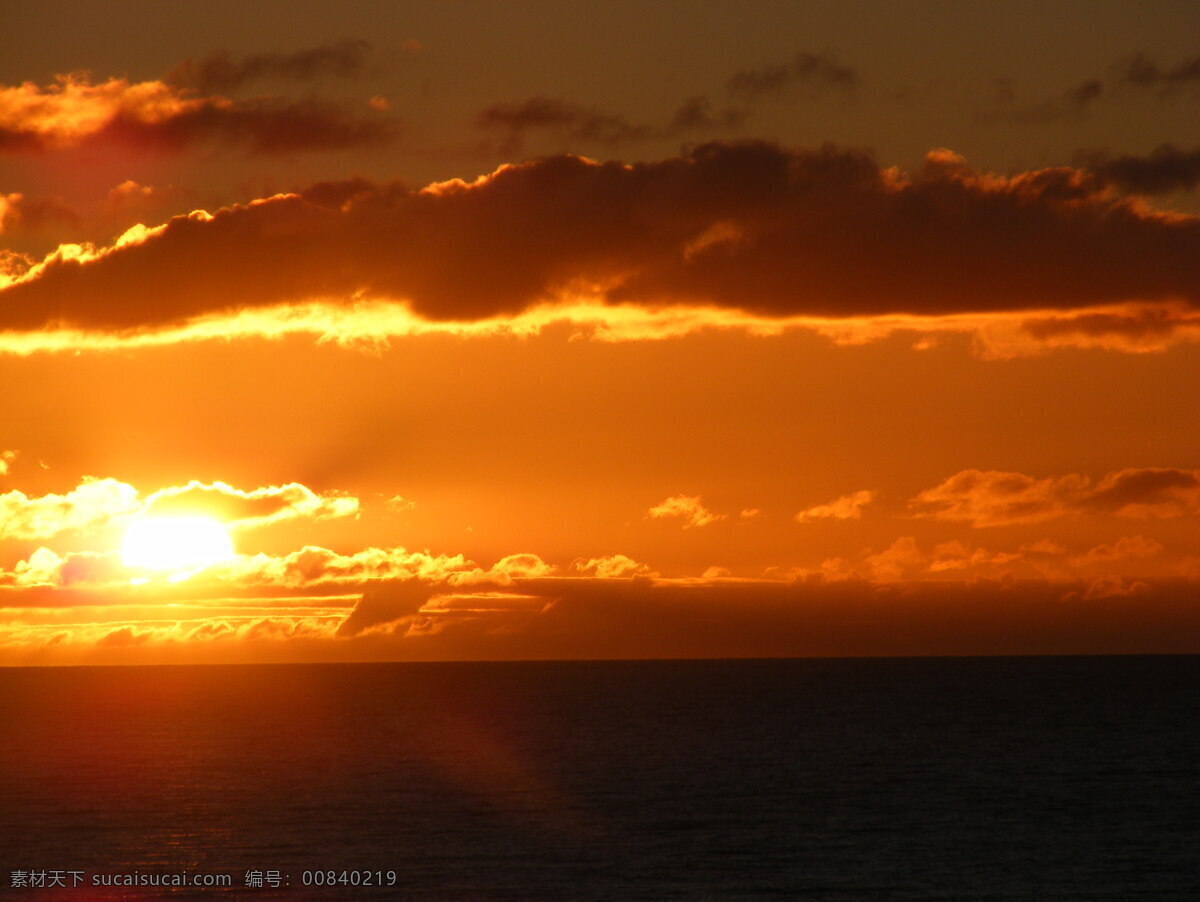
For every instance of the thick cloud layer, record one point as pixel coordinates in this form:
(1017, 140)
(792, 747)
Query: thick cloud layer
(747, 226)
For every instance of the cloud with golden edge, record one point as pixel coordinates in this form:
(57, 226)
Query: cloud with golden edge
(907, 599)
(240, 509)
(731, 235)
(92, 505)
(613, 566)
(308, 569)
(96, 504)
(686, 508)
(76, 111)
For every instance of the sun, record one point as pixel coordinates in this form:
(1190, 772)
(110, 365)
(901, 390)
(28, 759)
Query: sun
(175, 544)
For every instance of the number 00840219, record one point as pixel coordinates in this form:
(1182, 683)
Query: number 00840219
(348, 878)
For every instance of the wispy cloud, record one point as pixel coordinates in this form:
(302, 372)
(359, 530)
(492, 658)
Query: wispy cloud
(847, 507)
(811, 72)
(1137, 73)
(992, 498)
(221, 72)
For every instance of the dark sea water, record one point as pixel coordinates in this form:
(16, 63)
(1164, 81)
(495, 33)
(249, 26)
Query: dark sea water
(985, 778)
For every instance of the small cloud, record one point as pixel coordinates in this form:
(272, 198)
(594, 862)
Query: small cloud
(1139, 71)
(992, 498)
(399, 503)
(698, 114)
(1108, 587)
(847, 507)
(522, 566)
(615, 566)
(548, 114)
(1122, 549)
(902, 558)
(124, 636)
(6, 459)
(686, 508)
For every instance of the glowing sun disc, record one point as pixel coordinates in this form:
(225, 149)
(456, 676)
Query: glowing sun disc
(175, 543)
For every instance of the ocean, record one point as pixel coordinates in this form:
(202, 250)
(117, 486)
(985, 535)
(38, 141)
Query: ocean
(1058, 778)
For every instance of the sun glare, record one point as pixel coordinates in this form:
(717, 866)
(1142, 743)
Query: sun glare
(175, 544)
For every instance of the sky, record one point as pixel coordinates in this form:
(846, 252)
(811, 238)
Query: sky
(444, 331)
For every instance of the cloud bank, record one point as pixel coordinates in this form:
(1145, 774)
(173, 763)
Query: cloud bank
(748, 227)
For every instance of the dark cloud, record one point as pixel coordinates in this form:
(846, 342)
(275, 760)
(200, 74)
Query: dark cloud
(575, 122)
(569, 120)
(1137, 72)
(1070, 104)
(1083, 94)
(811, 71)
(749, 226)
(698, 114)
(1146, 492)
(261, 125)
(1166, 168)
(220, 72)
(578, 122)
(386, 603)
(1140, 71)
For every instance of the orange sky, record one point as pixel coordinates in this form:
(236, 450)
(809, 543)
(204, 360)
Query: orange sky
(799, 334)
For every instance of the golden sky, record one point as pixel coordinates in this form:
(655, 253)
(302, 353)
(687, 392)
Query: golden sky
(442, 331)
